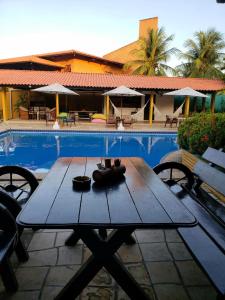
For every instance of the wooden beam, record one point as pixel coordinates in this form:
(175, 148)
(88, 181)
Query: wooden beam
(203, 104)
(212, 103)
(195, 104)
(4, 104)
(151, 105)
(107, 106)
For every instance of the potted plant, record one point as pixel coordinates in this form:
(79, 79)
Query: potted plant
(21, 106)
(22, 101)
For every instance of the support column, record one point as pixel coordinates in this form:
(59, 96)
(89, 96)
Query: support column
(151, 103)
(187, 106)
(142, 105)
(195, 104)
(212, 104)
(107, 106)
(57, 104)
(203, 104)
(4, 104)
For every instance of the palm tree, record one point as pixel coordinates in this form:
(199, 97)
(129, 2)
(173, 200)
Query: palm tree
(152, 54)
(203, 57)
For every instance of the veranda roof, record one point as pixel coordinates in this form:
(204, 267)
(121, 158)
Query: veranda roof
(186, 92)
(105, 81)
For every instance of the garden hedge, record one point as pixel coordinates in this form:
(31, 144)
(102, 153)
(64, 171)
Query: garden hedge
(202, 130)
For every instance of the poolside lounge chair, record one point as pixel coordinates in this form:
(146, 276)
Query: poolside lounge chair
(127, 120)
(51, 115)
(69, 119)
(111, 120)
(170, 120)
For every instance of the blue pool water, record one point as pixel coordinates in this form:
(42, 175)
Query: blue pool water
(38, 151)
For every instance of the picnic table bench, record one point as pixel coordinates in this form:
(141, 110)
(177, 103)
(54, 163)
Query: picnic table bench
(9, 241)
(16, 186)
(206, 241)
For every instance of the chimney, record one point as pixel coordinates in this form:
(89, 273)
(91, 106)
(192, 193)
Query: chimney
(147, 24)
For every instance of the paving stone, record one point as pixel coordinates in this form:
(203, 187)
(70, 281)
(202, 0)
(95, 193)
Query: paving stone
(31, 278)
(23, 295)
(130, 253)
(139, 272)
(191, 273)
(172, 236)
(95, 293)
(62, 237)
(42, 240)
(60, 275)
(148, 236)
(42, 258)
(179, 251)
(155, 252)
(49, 292)
(202, 293)
(70, 255)
(148, 290)
(163, 272)
(102, 278)
(170, 292)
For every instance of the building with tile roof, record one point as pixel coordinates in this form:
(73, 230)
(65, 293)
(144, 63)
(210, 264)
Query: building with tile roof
(91, 76)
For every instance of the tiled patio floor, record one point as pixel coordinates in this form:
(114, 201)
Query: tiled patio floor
(159, 261)
(31, 124)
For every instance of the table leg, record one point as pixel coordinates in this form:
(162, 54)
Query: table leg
(80, 280)
(75, 237)
(103, 256)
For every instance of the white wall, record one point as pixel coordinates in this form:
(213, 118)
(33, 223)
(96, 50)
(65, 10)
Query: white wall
(165, 106)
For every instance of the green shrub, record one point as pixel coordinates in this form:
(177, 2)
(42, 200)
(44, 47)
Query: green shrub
(203, 130)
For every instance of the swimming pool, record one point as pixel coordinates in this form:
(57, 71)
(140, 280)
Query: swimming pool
(38, 150)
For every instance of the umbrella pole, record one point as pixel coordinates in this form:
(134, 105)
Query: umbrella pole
(121, 99)
(187, 106)
(57, 104)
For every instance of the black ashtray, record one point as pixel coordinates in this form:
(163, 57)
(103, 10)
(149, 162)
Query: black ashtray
(81, 183)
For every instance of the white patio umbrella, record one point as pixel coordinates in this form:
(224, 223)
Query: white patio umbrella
(122, 91)
(56, 89)
(187, 92)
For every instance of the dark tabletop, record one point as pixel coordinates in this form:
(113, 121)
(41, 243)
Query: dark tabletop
(142, 200)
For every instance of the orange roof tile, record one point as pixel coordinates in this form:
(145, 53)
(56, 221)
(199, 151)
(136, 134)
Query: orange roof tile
(97, 80)
(31, 58)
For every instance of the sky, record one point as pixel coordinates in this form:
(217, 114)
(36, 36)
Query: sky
(98, 26)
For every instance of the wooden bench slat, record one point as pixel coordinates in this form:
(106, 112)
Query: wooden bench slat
(211, 226)
(211, 176)
(215, 156)
(206, 241)
(207, 254)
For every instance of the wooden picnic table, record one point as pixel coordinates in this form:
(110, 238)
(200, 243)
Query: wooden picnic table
(141, 200)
